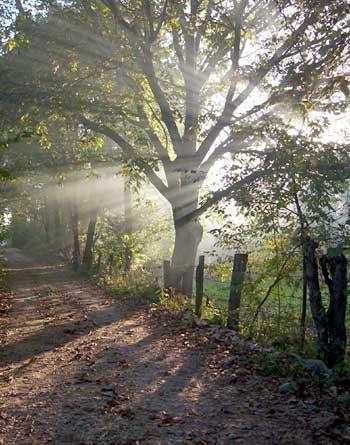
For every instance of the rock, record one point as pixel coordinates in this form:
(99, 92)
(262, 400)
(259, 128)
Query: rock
(287, 388)
(318, 368)
(227, 362)
(333, 391)
(199, 323)
(215, 336)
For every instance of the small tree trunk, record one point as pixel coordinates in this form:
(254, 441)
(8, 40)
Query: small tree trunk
(55, 209)
(75, 231)
(302, 223)
(46, 219)
(110, 264)
(128, 225)
(47, 225)
(88, 251)
(237, 279)
(56, 221)
(317, 309)
(335, 274)
(303, 308)
(199, 286)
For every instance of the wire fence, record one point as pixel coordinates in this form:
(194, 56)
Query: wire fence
(265, 306)
(271, 306)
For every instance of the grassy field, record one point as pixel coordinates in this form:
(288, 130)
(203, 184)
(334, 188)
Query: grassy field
(278, 321)
(285, 296)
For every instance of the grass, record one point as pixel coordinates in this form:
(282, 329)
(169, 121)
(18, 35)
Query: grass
(218, 293)
(278, 322)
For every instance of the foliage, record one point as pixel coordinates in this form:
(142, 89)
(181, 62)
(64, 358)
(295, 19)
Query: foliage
(137, 285)
(174, 84)
(273, 364)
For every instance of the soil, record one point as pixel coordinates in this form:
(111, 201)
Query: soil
(79, 367)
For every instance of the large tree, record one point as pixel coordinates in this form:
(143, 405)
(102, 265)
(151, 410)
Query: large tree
(177, 84)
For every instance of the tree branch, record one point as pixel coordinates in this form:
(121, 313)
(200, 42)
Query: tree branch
(222, 194)
(167, 115)
(144, 123)
(129, 151)
(19, 6)
(230, 106)
(162, 20)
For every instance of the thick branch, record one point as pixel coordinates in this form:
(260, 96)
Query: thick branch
(280, 54)
(167, 115)
(234, 146)
(129, 151)
(161, 20)
(145, 124)
(222, 194)
(19, 6)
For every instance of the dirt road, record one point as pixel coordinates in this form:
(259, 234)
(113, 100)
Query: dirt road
(78, 368)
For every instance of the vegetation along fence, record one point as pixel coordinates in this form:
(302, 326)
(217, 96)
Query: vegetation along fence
(262, 308)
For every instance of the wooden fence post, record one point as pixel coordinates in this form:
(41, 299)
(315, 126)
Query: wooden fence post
(199, 286)
(166, 273)
(237, 279)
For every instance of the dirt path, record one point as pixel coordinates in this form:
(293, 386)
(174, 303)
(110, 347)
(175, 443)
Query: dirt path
(77, 368)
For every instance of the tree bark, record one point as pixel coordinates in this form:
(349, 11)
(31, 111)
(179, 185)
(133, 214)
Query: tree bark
(335, 274)
(199, 286)
(56, 218)
(88, 251)
(303, 307)
(187, 239)
(188, 235)
(302, 223)
(128, 226)
(46, 220)
(317, 309)
(75, 232)
(330, 326)
(237, 279)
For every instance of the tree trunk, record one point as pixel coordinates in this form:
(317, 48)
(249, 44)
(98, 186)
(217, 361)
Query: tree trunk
(187, 239)
(335, 274)
(56, 220)
(46, 221)
(317, 309)
(128, 226)
(199, 286)
(75, 231)
(303, 308)
(237, 279)
(110, 264)
(302, 223)
(188, 236)
(330, 326)
(88, 251)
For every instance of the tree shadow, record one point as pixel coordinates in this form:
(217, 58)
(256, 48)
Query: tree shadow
(54, 336)
(56, 306)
